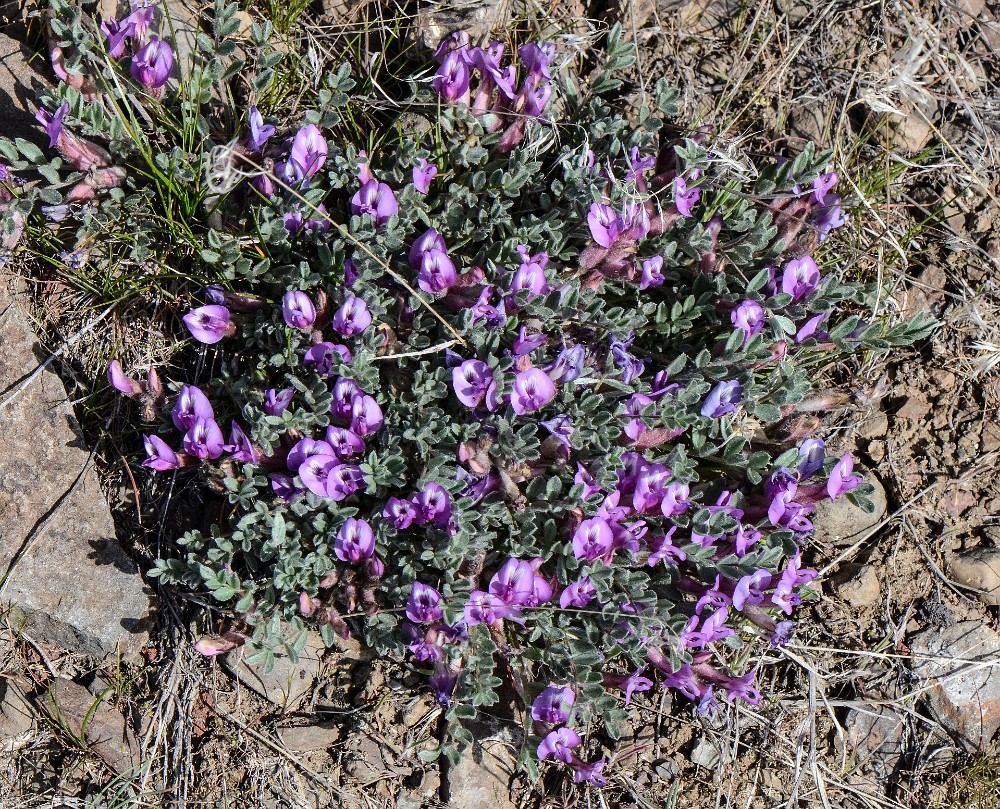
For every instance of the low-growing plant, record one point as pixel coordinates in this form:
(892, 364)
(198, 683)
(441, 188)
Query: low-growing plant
(527, 396)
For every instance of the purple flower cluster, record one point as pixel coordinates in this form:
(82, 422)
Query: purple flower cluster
(554, 706)
(152, 59)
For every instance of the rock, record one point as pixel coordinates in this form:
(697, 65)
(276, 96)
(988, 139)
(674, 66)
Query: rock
(964, 697)
(16, 715)
(912, 132)
(708, 754)
(61, 566)
(935, 613)
(858, 585)
(21, 83)
(875, 735)
(287, 683)
(874, 426)
(482, 777)
(93, 723)
(843, 523)
(978, 568)
(307, 738)
(436, 20)
(913, 409)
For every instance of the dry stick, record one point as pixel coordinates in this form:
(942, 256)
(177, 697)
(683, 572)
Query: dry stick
(847, 553)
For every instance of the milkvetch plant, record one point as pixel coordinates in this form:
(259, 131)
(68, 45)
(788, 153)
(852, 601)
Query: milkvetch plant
(526, 396)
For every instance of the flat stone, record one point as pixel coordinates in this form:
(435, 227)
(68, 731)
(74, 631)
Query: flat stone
(308, 738)
(61, 567)
(843, 523)
(287, 684)
(17, 717)
(435, 21)
(858, 585)
(978, 568)
(875, 735)
(21, 82)
(962, 694)
(483, 775)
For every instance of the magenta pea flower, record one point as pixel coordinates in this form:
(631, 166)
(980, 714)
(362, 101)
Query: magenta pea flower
(554, 705)
(345, 443)
(685, 198)
(53, 122)
(315, 472)
(375, 199)
(276, 402)
(209, 324)
(117, 34)
(652, 273)
(484, 608)
(399, 513)
(559, 745)
(751, 589)
(345, 391)
(829, 217)
(191, 405)
(204, 440)
(530, 275)
(822, 184)
(749, 317)
(578, 594)
(355, 541)
(452, 79)
(799, 278)
(423, 173)
(240, 447)
(433, 505)
(532, 391)
(308, 155)
(812, 453)
(140, 20)
(592, 773)
(344, 480)
(159, 456)
(152, 64)
(841, 480)
(260, 132)
(366, 415)
(306, 448)
(326, 356)
(437, 271)
(427, 241)
(724, 398)
(298, 310)
(471, 380)
(122, 383)
(424, 604)
(513, 583)
(352, 318)
(536, 58)
(593, 539)
(585, 479)
(606, 225)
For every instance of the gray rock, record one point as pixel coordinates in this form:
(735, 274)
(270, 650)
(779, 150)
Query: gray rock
(307, 738)
(436, 19)
(978, 568)
(875, 736)
(483, 775)
(706, 754)
(857, 584)
(288, 683)
(958, 666)
(61, 566)
(21, 82)
(843, 523)
(16, 715)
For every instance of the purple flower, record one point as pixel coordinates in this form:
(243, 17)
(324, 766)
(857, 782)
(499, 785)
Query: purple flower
(375, 199)
(471, 380)
(530, 275)
(526, 343)
(750, 589)
(122, 383)
(724, 398)
(306, 448)
(782, 634)
(160, 457)
(152, 64)
(208, 324)
(423, 173)
(664, 550)
(345, 443)
(308, 155)
(822, 184)
(554, 705)
(585, 479)
(355, 541)
(513, 583)
(812, 453)
(592, 773)
(829, 217)
(399, 513)
(532, 391)
(315, 473)
(352, 318)
(190, 406)
(345, 391)
(561, 428)
(139, 21)
(592, 539)
(437, 271)
(568, 366)
(117, 34)
(559, 745)
(297, 310)
(424, 604)
(785, 512)
(204, 440)
(484, 608)
(326, 356)
(536, 57)
(276, 402)
(630, 365)
(606, 226)
(429, 240)
(344, 481)
(742, 688)
(240, 446)
(366, 415)
(53, 122)
(811, 327)
(452, 79)
(433, 505)
(748, 316)
(260, 132)
(799, 278)
(578, 594)
(652, 273)
(639, 165)
(284, 487)
(685, 198)
(675, 499)
(442, 683)
(841, 480)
